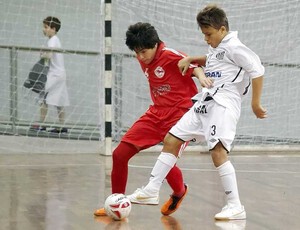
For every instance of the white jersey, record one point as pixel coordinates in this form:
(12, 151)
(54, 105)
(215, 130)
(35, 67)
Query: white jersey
(57, 66)
(56, 88)
(231, 65)
(215, 115)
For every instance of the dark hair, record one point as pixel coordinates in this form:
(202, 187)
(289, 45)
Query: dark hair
(212, 16)
(53, 22)
(141, 36)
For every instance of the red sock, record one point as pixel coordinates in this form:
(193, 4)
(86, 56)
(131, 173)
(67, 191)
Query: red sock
(121, 155)
(175, 181)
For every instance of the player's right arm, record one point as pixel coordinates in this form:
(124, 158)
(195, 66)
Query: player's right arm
(184, 63)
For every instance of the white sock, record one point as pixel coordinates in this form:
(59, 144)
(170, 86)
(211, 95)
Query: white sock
(165, 162)
(228, 179)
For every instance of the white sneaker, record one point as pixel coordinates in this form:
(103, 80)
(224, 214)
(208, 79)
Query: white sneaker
(231, 213)
(140, 196)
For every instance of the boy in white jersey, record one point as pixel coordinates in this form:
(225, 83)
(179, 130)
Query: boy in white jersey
(56, 93)
(231, 67)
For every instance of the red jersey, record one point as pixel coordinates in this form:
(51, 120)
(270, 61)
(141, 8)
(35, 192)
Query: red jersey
(168, 88)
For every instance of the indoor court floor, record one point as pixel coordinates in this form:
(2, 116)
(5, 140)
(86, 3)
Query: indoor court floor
(61, 192)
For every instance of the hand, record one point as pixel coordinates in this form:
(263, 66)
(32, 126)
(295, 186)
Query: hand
(183, 65)
(259, 111)
(207, 82)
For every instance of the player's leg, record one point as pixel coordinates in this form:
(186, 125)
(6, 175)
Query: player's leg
(165, 162)
(57, 96)
(221, 135)
(43, 114)
(61, 118)
(233, 209)
(119, 174)
(133, 141)
(61, 114)
(175, 177)
(43, 97)
(187, 128)
(175, 180)
(43, 111)
(168, 156)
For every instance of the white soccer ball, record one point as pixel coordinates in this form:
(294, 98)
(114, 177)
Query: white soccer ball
(117, 206)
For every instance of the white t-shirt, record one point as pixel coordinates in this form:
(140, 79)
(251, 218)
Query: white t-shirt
(56, 88)
(232, 65)
(57, 66)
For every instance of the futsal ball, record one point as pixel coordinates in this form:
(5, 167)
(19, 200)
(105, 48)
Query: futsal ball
(117, 206)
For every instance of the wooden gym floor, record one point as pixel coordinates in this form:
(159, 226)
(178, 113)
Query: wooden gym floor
(61, 191)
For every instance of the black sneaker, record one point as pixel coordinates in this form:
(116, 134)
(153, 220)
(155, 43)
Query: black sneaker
(59, 130)
(37, 128)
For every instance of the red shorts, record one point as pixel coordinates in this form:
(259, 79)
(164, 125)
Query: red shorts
(151, 128)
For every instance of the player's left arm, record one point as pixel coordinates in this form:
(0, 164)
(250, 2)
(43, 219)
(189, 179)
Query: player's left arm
(205, 82)
(250, 62)
(46, 55)
(52, 44)
(258, 110)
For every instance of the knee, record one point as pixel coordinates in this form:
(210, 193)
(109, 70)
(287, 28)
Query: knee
(219, 155)
(117, 155)
(123, 152)
(172, 144)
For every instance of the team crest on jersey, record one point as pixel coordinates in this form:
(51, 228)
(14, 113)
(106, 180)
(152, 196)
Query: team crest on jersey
(220, 55)
(159, 72)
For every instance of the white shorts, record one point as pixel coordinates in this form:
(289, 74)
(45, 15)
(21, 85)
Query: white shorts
(56, 90)
(207, 121)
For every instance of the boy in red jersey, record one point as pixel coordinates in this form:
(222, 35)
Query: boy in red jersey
(171, 93)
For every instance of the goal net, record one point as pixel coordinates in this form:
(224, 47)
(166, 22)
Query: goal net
(267, 27)
(21, 42)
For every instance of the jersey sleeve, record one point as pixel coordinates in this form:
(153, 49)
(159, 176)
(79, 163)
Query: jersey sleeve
(53, 43)
(248, 60)
(175, 56)
(190, 70)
